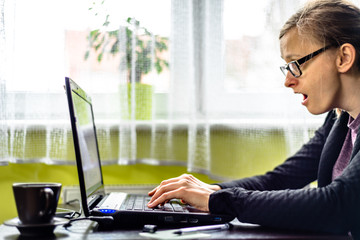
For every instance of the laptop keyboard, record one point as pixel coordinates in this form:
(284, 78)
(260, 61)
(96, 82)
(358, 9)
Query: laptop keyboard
(114, 200)
(139, 203)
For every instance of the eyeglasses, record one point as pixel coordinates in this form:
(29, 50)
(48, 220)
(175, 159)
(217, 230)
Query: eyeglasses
(294, 66)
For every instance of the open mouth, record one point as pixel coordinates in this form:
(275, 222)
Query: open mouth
(305, 98)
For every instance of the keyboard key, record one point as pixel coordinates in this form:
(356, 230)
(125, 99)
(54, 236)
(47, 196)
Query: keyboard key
(139, 204)
(168, 207)
(177, 207)
(113, 201)
(146, 208)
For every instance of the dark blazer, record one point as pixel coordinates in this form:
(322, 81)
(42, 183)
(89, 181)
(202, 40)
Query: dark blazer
(281, 199)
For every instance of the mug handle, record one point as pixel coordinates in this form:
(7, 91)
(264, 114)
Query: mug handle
(49, 194)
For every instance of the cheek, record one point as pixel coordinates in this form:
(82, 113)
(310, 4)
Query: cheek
(326, 84)
(326, 77)
(327, 92)
(325, 87)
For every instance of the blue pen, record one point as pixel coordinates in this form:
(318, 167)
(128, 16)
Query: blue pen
(216, 227)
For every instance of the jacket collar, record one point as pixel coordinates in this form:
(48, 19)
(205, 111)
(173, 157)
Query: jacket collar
(332, 149)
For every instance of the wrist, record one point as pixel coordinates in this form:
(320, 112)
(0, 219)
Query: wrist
(214, 187)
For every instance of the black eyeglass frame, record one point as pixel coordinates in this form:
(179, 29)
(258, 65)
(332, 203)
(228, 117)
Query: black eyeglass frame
(301, 61)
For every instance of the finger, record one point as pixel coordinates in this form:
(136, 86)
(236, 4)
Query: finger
(184, 180)
(160, 190)
(165, 197)
(163, 183)
(153, 191)
(171, 180)
(182, 183)
(185, 176)
(169, 187)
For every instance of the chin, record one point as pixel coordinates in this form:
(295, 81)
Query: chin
(317, 111)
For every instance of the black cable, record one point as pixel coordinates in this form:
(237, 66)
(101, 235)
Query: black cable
(72, 213)
(102, 222)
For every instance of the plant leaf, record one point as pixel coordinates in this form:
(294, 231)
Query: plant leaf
(87, 54)
(99, 57)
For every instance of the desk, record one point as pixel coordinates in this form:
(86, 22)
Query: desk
(85, 230)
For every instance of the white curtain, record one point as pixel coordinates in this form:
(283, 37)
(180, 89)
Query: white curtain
(3, 126)
(218, 102)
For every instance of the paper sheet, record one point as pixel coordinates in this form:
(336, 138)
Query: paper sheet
(168, 234)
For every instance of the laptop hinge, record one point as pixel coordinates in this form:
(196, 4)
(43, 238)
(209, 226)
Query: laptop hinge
(94, 201)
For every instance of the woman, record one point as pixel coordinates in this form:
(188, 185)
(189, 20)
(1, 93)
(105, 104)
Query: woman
(321, 46)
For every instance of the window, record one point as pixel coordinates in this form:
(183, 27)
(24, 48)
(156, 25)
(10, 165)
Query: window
(50, 42)
(233, 46)
(223, 83)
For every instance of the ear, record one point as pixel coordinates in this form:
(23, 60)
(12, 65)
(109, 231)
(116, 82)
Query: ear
(346, 57)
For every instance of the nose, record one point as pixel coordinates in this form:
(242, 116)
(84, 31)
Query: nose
(290, 80)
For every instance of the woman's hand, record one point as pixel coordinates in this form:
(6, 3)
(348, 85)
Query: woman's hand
(187, 188)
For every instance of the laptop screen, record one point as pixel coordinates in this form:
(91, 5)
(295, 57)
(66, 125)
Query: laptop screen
(87, 141)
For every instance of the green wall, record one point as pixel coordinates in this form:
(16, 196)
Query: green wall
(234, 154)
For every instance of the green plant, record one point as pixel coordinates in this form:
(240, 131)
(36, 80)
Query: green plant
(103, 42)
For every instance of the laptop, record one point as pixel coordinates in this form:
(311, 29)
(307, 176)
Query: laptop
(126, 209)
